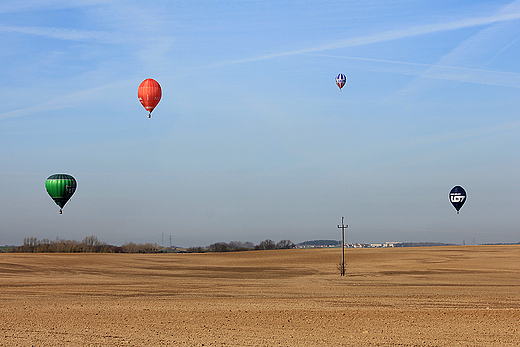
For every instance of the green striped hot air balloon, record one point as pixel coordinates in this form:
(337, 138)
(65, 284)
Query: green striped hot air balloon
(60, 188)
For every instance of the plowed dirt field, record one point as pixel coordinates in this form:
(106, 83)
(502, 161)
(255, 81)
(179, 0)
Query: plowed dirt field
(431, 296)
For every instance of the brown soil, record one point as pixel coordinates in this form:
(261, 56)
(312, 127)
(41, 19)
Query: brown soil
(436, 296)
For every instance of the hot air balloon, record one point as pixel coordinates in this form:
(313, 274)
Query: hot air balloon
(60, 188)
(457, 197)
(341, 80)
(149, 94)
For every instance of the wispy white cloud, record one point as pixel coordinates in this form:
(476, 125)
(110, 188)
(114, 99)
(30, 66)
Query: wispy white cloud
(464, 134)
(475, 52)
(392, 35)
(502, 50)
(69, 34)
(71, 100)
(436, 71)
(35, 5)
(514, 6)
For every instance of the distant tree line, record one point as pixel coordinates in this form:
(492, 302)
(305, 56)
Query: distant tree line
(234, 246)
(90, 244)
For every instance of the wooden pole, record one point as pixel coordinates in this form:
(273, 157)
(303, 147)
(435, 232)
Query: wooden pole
(342, 226)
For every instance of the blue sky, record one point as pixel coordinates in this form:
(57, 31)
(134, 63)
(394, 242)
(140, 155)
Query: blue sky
(252, 138)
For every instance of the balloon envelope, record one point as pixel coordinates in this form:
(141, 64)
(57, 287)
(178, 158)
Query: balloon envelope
(457, 197)
(60, 188)
(149, 94)
(341, 80)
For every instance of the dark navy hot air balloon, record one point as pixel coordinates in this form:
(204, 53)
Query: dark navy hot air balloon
(341, 80)
(457, 197)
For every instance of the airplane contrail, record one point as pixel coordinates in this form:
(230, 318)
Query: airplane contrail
(438, 71)
(389, 36)
(68, 34)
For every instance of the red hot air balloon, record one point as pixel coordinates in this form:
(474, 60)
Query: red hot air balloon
(149, 94)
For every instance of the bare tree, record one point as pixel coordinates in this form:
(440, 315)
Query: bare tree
(285, 244)
(240, 246)
(195, 249)
(266, 244)
(218, 247)
(131, 247)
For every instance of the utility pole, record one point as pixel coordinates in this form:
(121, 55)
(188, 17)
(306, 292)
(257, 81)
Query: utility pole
(343, 227)
(170, 241)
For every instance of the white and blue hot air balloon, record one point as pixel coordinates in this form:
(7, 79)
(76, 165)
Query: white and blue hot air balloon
(341, 80)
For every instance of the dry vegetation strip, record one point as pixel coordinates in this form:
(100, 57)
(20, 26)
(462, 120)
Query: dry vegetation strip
(436, 296)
